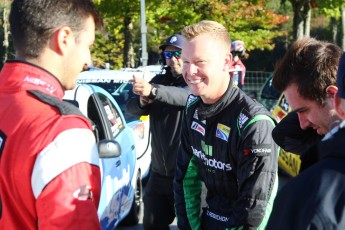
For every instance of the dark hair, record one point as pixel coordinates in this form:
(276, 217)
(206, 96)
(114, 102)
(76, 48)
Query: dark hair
(310, 64)
(32, 22)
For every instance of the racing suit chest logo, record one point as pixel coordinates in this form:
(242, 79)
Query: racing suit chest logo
(197, 127)
(211, 162)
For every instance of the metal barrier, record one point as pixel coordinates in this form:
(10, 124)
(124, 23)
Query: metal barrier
(253, 83)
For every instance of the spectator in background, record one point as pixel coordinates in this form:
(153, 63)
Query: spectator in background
(237, 69)
(163, 98)
(49, 173)
(225, 142)
(314, 199)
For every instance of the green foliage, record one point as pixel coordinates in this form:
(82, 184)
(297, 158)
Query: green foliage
(330, 8)
(109, 47)
(250, 21)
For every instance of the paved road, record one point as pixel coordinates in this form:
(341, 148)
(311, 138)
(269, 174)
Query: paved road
(140, 225)
(282, 181)
(173, 226)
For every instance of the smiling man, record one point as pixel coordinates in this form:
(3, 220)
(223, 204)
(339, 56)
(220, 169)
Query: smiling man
(225, 142)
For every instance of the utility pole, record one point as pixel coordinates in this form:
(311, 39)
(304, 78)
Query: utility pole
(144, 56)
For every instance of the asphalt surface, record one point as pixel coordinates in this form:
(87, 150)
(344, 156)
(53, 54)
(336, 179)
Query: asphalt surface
(282, 181)
(173, 226)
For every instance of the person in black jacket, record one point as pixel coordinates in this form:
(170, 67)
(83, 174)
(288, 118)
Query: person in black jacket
(314, 198)
(226, 141)
(164, 99)
(310, 96)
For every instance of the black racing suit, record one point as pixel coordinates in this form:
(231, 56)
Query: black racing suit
(166, 113)
(228, 145)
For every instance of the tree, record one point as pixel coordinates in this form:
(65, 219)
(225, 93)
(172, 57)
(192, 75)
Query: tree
(4, 33)
(249, 21)
(128, 12)
(301, 11)
(335, 9)
(343, 27)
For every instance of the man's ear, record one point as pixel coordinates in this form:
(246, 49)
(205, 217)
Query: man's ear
(64, 38)
(228, 62)
(332, 91)
(339, 106)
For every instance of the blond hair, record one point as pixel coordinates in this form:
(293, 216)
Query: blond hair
(215, 29)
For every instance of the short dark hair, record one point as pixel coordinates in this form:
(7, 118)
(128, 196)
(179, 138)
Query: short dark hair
(32, 22)
(310, 64)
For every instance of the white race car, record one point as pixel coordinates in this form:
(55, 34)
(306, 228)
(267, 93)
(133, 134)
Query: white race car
(124, 143)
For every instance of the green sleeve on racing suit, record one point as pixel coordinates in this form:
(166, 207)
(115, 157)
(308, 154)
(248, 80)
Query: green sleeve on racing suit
(255, 119)
(192, 194)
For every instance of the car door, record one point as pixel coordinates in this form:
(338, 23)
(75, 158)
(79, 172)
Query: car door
(117, 173)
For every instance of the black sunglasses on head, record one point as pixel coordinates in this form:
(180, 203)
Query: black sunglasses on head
(170, 54)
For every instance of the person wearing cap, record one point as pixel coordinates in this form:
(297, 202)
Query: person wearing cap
(313, 85)
(163, 99)
(226, 141)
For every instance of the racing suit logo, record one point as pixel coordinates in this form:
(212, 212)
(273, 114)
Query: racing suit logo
(191, 99)
(242, 119)
(258, 150)
(223, 132)
(83, 193)
(197, 127)
(36, 81)
(195, 115)
(216, 216)
(211, 163)
(206, 148)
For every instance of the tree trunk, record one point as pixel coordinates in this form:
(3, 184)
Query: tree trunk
(5, 42)
(297, 24)
(128, 51)
(307, 22)
(343, 28)
(300, 9)
(334, 28)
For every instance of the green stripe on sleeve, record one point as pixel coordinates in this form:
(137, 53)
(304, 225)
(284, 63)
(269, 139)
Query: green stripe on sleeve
(192, 194)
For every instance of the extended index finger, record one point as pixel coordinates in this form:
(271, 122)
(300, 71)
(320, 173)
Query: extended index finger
(133, 78)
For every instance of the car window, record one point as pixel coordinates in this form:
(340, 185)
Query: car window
(268, 91)
(121, 92)
(113, 116)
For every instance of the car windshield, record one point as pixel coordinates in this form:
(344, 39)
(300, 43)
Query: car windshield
(121, 92)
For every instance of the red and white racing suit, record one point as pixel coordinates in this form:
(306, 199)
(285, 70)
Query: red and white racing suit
(49, 173)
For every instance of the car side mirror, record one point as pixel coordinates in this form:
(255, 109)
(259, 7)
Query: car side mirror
(108, 149)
